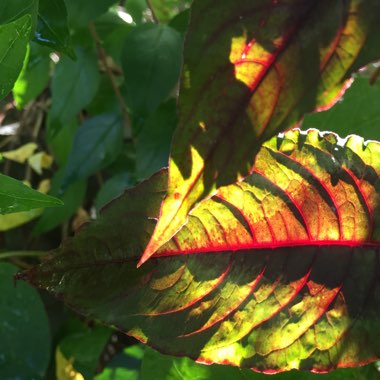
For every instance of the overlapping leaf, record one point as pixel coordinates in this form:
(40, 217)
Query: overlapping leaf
(275, 272)
(252, 69)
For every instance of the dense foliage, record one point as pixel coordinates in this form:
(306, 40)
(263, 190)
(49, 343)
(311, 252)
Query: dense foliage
(254, 250)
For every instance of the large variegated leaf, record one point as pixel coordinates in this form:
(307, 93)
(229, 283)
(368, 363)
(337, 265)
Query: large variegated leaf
(275, 272)
(253, 68)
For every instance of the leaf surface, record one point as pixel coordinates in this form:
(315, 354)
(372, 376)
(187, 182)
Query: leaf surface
(251, 70)
(276, 272)
(16, 197)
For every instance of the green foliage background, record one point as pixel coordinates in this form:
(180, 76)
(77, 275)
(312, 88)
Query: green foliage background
(93, 85)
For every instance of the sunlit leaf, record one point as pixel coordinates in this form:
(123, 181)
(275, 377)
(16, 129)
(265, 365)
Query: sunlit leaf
(276, 272)
(252, 69)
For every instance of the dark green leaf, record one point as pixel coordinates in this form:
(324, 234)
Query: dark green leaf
(73, 198)
(11, 10)
(34, 76)
(97, 143)
(52, 27)
(84, 349)
(151, 63)
(74, 86)
(357, 113)
(153, 142)
(14, 38)
(16, 197)
(24, 329)
(181, 22)
(82, 12)
(113, 188)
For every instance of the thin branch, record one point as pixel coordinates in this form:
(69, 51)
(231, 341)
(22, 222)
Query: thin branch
(103, 57)
(154, 16)
(13, 254)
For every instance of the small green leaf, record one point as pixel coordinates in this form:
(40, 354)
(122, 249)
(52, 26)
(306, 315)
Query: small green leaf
(153, 142)
(24, 329)
(167, 9)
(151, 62)
(14, 38)
(137, 9)
(97, 143)
(74, 86)
(16, 197)
(34, 76)
(52, 27)
(357, 113)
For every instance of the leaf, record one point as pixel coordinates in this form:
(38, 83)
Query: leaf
(52, 29)
(112, 189)
(24, 326)
(97, 143)
(74, 86)
(83, 349)
(153, 142)
(72, 198)
(276, 272)
(11, 10)
(14, 38)
(251, 70)
(20, 154)
(358, 112)
(16, 197)
(151, 62)
(81, 13)
(167, 9)
(34, 76)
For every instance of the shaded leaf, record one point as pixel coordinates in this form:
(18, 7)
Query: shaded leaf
(275, 272)
(112, 189)
(97, 143)
(34, 76)
(14, 38)
(166, 9)
(72, 198)
(151, 62)
(252, 69)
(153, 142)
(74, 86)
(16, 197)
(84, 11)
(358, 112)
(24, 326)
(52, 29)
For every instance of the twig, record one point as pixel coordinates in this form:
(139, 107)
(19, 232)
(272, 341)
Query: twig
(374, 76)
(13, 254)
(154, 16)
(103, 57)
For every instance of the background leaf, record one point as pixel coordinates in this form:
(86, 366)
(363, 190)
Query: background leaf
(74, 86)
(52, 29)
(24, 326)
(151, 63)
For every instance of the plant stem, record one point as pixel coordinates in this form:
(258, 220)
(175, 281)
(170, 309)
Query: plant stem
(103, 57)
(12, 254)
(154, 16)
